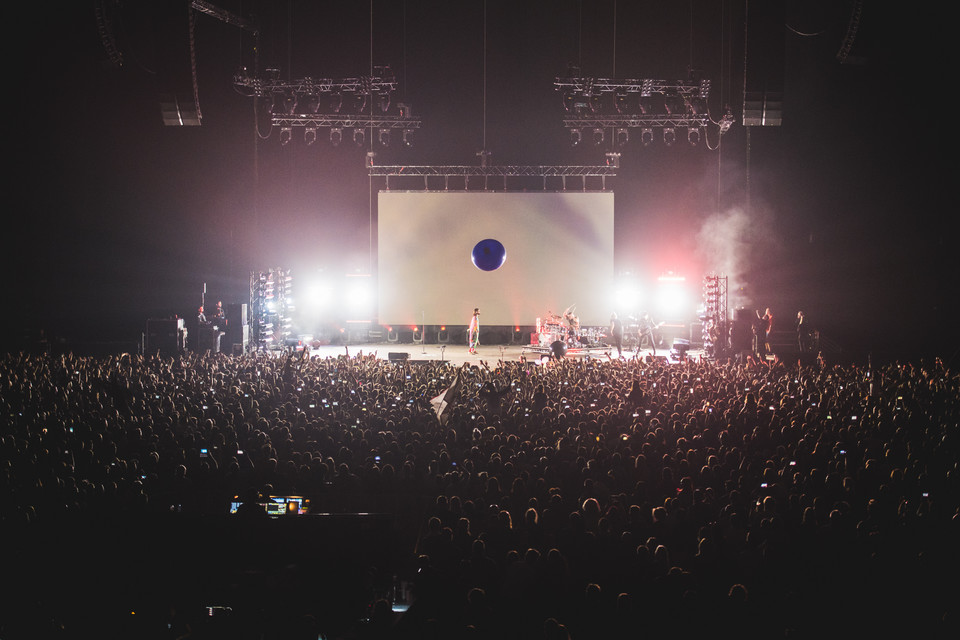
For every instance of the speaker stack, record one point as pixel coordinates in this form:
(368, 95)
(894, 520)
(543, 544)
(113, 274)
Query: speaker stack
(237, 331)
(167, 336)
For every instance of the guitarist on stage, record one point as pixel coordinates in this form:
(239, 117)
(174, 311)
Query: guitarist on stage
(645, 330)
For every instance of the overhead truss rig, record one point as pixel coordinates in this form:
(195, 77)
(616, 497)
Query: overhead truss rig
(358, 103)
(622, 104)
(494, 178)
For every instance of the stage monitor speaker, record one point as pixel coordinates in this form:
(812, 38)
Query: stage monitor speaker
(398, 356)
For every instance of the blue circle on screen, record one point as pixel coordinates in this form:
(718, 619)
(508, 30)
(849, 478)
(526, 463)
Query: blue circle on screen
(489, 255)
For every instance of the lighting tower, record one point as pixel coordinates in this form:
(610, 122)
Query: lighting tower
(714, 316)
(271, 306)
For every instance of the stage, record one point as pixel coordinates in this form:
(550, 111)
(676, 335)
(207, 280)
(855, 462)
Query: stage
(460, 354)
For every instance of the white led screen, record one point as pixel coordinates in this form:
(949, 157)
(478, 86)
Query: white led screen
(559, 252)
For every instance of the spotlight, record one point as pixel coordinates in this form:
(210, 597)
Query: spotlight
(623, 136)
(310, 135)
(646, 136)
(358, 136)
(336, 101)
(336, 135)
(384, 137)
(285, 135)
(693, 136)
(407, 135)
(385, 102)
(575, 136)
(598, 136)
(669, 136)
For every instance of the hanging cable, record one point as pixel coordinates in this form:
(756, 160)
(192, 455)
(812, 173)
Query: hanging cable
(484, 97)
(614, 75)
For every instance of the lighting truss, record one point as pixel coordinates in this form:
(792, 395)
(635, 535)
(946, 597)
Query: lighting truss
(362, 102)
(622, 104)
(497, 177)
(714, 317)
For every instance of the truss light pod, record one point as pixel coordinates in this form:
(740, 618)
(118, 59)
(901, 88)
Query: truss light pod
(646, 136)
(693, 136)
(358, 136)
(336, 136)
(384, 137)
(575, 136)
(407, 138)
(623, 136)
(310, 135)
(290, 103)
(598, 136)
(669, 136)
(285, 134)
(311, 103)
(621, 102)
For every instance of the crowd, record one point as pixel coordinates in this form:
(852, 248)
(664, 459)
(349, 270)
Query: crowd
(573, 499)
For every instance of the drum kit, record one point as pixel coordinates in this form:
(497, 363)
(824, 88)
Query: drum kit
(566, 328)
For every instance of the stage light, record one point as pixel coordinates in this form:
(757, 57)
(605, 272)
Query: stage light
(621, 103)
(285, 134)
(669, 136)
(310, 135)
(362, 103)
(336, 135)
(318, 297)
(407, 137)
(358, 298)
(626, 298)
(336, 102)
(384, 137)
(358, 136)
(598, 136)
(276, 103)
(575, 137)
(385, 102)
(726, 121)
(674, 105)
(646, 136)
(290, 103)
(672, 300)
(311, 103)
(693, 136)
(623, 136)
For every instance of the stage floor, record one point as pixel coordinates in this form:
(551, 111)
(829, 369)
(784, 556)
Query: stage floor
(459, 354)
